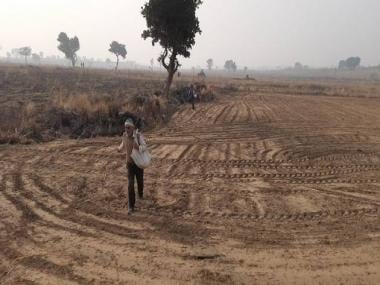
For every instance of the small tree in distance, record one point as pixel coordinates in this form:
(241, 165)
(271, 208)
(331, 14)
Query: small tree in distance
(152, 64)
(69, 47)
(25, 52)
(173, 24)
(230, 65)
(15, 52)
(298, 66)
(350, 63)
(202, 74)
(36, 57)
(118, 50)
(210, 63)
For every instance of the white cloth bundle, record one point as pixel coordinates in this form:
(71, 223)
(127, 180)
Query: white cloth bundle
(141, 157)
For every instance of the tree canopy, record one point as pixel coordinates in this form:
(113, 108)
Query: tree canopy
(118, 50)
(69, 46)
(173, 24)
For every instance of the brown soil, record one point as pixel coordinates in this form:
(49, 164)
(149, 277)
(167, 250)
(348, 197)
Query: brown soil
(256, 188)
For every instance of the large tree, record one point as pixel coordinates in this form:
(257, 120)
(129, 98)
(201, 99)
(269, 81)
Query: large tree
(210, 63)
(25, 52)
(118, 50)
(173, 24)
(69, 46)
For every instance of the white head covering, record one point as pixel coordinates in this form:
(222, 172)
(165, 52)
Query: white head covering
(130, 123)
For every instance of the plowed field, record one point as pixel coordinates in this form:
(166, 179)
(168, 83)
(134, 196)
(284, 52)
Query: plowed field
(255, 188)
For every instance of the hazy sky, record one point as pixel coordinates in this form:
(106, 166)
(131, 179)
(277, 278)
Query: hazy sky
(255, 33)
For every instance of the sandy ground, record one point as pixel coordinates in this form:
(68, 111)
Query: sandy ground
(251, 189)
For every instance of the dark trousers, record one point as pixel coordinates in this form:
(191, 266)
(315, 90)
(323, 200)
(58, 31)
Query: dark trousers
(134, 171)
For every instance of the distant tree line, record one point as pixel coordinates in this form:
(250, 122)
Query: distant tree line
(172, 24)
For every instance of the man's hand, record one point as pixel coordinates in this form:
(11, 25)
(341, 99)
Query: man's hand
(136, 146)
(120, 148)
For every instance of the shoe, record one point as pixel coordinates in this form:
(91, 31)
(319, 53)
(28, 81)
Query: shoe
(141, 197)
(130, 210)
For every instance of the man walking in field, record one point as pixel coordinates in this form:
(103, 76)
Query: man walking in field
(132, 139)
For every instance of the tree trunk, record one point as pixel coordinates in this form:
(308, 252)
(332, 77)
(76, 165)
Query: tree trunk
(26, 60)
(73, 62)
(172, 69)
(117, 63)
(169, 80)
